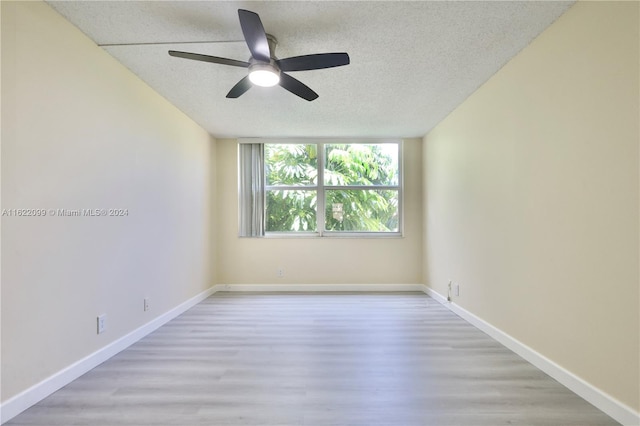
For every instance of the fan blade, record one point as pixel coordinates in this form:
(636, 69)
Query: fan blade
(207, 58)
(254, 35)
(240, 87)
(313, 62)
(297, 87)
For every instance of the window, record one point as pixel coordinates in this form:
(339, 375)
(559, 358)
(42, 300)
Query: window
(323, 188)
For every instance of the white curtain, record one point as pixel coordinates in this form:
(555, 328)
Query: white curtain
(251, 164)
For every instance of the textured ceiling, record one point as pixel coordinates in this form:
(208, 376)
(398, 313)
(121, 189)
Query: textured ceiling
(411, 62)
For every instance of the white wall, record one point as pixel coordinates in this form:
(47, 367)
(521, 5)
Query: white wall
(532, 198)
(79, 131)
(319, 260)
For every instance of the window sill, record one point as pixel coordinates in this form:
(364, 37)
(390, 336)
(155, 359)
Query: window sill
(334, 235)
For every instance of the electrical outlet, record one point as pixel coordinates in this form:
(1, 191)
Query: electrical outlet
(457, 289)
(102, 323)
(146, 304)
(280, 272)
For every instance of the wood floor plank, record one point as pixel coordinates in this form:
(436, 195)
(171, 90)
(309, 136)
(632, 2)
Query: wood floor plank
(315, 359)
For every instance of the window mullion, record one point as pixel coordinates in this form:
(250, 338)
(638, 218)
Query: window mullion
(363, 187)
(290, 187)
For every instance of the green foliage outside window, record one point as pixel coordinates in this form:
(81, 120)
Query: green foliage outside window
(366, 209)
(291, 165)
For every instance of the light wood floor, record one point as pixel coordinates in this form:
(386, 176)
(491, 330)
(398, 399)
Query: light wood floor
(315, 359)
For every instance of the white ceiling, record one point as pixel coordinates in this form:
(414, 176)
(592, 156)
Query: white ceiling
(411, 62)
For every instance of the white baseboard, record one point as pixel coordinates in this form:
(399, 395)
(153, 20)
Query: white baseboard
(317, 287)
(17, 404)
(604, 402)
(36, 393)
(617, 410)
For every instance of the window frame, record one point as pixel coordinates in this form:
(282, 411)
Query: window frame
(321, 189)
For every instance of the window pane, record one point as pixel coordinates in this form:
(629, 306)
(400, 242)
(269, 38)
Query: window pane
(362, 210)
(291, 164)
(291, 211)
(361, 164)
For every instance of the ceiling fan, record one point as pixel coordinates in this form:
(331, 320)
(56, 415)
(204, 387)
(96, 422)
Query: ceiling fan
(264, 68)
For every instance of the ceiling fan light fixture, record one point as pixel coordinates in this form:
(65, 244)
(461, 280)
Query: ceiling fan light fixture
(265, 69)
(265, 75)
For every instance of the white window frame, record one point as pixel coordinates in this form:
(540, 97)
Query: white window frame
(321, 189)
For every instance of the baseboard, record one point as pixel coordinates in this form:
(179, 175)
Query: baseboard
(17, 404)
(317, 287)
(604, 402)
(609, 405)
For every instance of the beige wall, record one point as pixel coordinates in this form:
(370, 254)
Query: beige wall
(81, 131)
(318, 260)
(532, 198)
